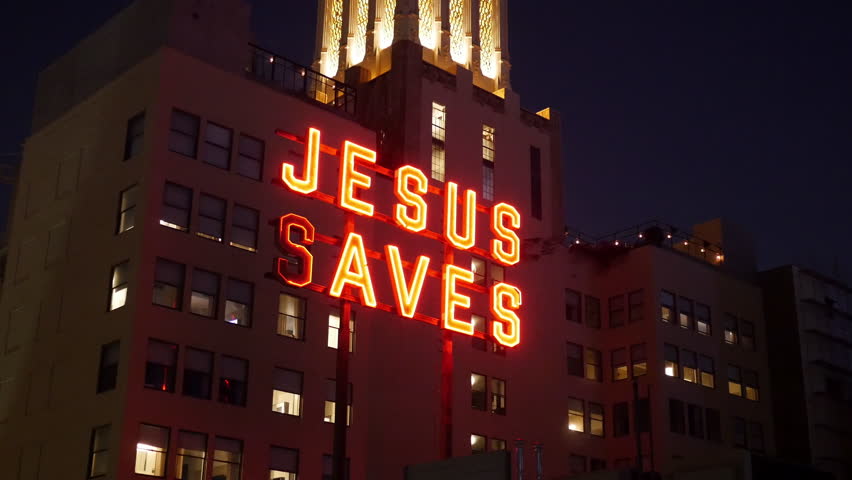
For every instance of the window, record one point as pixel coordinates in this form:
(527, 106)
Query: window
(161, 365)
(135, 135)
(498, 273)
(535, 183)
(695, 417)
(329, 414)
(593, 312)
(291, 316)
(671, 366)
(713, 420)
(576, 415)
(739, 432)
(168, 284)
(572, 306)
(328, 466)
(496, 445)
(576, 464)
(685, 317)
(616, 311)
(703, 324)
(152, 450)
(638, 360)
(593, 365)
(619, 364)
(620, 420)
(478, 388)
(597, 464)
(217, 146)
(755, 436)
(238, 302)
(99, 451)
(191, 456)
(478, 327)
(707, 371)
(118, 292)
(690, 370)
(676, 420)
(498, 396)
(488, 162)
(439, 137)
(197, 373)
(205, 293)
(108, 368)
(752, 387)
(747, 335)
(735, 381)
(731, 332)
(287, 392)
(643, 415)
(477, 443)
(127, 209)
(227, 459)
(667, 310)
(283, 463)
(635, 302)
(233, 381)
(250, 159)
(177, 203)
(477, 266)
(211, 217)
(183, 136)
(244, 228)
(596, 419)
(575, 360)
(334, 329)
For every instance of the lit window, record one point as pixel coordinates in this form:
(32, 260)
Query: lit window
(535, 183)
(205, 293)
(197, 373)
(619, 364)
(217, 146)
(496, 445)
(488, 162)
(244, 228)
(160, 366)
(576, 416)
(135, 135)
(477, 266)
(596, 419)
(575, 360)
(191, 456)
(707, 370)
(99, 451)
(703, 324)
(183, 135)
(291, 316)
(677, 424)
(168, 284)
(329, 414)
(667, 310)
(713, 421)
(334, 329)
(498, 396)
(635, 301)
(479, 327)
(638, 360)
(735, 381)
(593, 365)
(283, 463)
(576, 464)
(233, 381)
(572, 306)
(108, 368)
(439, 137)
(238, 302)
(478, 387)
(177, 203)
(151, 451)
(593, 312)
(747, 335)
(690, 371)
(671, 359)
(752, 387)
(127, 209)
(620, 420)
(498, 273)
(118, 293)
(287, 392)
(477, 443)
(227, 459)
(250, 159)
(695, 418)
(755, 437)
(211, 217)
(685, 315)
(731, 331)
(616, 311)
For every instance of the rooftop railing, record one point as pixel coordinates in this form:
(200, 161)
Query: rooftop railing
(292, 77)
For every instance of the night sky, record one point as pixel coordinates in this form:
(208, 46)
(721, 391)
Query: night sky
(676, 110)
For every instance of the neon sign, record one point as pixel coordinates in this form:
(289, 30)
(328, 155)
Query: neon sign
(411, 186)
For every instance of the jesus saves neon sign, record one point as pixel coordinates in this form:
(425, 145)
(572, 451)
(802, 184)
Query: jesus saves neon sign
(409, 214)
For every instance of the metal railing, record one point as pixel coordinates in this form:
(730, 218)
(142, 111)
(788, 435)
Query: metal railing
(298, 79)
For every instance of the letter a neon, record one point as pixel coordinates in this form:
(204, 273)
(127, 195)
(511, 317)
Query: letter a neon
(353, 270)
(406, 296)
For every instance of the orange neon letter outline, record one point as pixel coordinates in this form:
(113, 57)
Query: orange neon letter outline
(350, 179)
(506, 327)
(412, 198)
(451, 207)
(353, 269)
(285, 226)
(506, 247)
(452, 299)
(310, 182)
(406, 296)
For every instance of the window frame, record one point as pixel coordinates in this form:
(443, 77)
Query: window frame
(617, 311)
(193, 135)
(92, 452)
(573, 311)
(208, 144)
(131, 136)
(241, 156)
(670, 307)
(116, 286)
(164, 452)
(122, 211)
(187, 210)
(180, 289)
(635, 306)
(298, 395)
(203, 216)
(187, 370)
(620, 364)
(592, 320)
(225, 383)
(299, 322)
(577, 418)
(498, 400)
(111, 384)
(230, 297)
(235, 226)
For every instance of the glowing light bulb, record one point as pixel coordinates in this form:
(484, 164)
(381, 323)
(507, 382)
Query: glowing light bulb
(670, 371)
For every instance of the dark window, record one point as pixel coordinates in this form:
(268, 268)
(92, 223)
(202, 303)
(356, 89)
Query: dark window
(616, 311)
(479, 327)
(168, 284)
(755, 437)
(596, 419)
(620, 420)
(197, 373)
(576, 464)
(695, 415)
(535, 183)
(747, 336)
(593, 365)
(686, 317)
(108, 369)
(487, 180)
(596, 464)
(638, 360)
(667, 307)
(739, 432)
(283, 463)
(496, 445)
(99, 451)
(732, 335)
(478, 387)
(177, 203)
(714, 424)
(635, 303)
(244, 228)
(135, 136)
(233, 381)
(204, 297)
(183, 136)
(227, 459)
(211, 217)
(498, 396)
(572, 306)
(619, 365)
(575, 360)
(217, 146)
(291, 316)
(703, 323)
(676, 419)
(191, 455)
(127, 209)
(238, 302)
(477, 266)
(327, 467)
(593, 312)
(643, 415)
(161, 366)
(250, 159)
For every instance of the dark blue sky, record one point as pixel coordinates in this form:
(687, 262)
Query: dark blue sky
(677, 110)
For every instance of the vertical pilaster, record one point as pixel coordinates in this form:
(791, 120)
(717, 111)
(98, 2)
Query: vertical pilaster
(406, 22)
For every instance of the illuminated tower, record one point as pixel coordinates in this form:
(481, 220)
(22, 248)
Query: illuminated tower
(471, 34)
